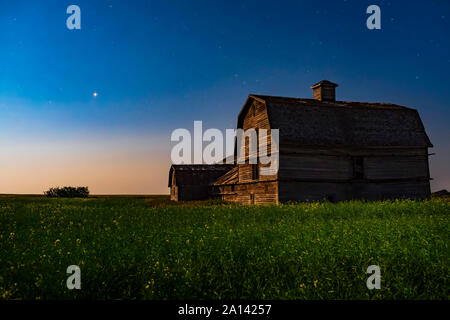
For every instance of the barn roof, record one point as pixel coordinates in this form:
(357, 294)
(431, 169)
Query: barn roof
(342, 123)
(197, 174)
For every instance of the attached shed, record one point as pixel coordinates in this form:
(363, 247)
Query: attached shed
(191, 182)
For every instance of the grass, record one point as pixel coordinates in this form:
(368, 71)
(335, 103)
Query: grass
(150, 248)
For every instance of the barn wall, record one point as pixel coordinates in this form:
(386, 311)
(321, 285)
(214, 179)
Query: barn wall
(317, 191)
(400, 167)
(174, 193)
(318, 173)
(191, 182)
(192, 192)
(263, 192)
(303, 166)
(245, 173)
(256, 118)
(287, 147)
(337, 164)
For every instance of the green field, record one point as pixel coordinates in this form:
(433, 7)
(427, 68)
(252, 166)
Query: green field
(149, 248)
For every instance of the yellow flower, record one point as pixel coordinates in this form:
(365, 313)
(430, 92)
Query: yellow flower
(150, 283)
(302, 285)
(315, 283)
(57, 241)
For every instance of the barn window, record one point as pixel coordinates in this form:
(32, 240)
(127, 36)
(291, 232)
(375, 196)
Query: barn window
(232, 188)
(358, 168)
(252, 198)
(255, 172)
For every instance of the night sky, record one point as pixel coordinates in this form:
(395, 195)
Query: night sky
(159, 65)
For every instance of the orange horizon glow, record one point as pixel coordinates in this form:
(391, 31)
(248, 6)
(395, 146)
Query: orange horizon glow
(106, 166)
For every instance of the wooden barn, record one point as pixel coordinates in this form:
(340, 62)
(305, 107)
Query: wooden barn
(192, 182)
(331, 150)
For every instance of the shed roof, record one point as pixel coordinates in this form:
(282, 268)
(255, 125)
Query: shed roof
(230, 177)
(197, 174)
(342, 123)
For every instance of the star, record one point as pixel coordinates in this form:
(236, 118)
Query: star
(95, 94)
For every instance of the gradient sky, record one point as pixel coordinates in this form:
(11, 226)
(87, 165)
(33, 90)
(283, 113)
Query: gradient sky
(160, 65)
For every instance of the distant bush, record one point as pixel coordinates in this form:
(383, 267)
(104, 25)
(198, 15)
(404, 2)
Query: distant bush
(67, 192)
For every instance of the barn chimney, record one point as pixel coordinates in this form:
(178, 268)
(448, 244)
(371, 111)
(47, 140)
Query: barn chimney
(325, 91)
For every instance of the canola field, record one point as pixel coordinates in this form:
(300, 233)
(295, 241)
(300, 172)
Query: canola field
(146, 247)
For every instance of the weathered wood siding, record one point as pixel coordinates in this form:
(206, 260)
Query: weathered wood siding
(396, 167)
(192, 182)
(315, 167)
(174, 193)
(264, 192)
(256, 118)
(192, 192)
(318, 173)
(317, 191)
(337, 164)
